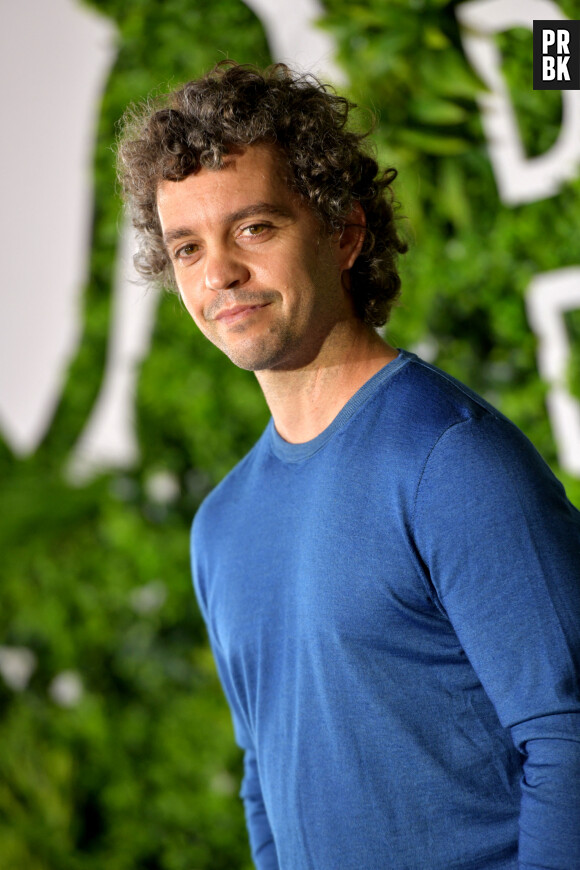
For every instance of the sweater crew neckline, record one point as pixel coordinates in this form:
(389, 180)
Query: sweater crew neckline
(289, 452)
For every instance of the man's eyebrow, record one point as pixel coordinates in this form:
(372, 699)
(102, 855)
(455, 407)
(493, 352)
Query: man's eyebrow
(258, 208)
(267, 209)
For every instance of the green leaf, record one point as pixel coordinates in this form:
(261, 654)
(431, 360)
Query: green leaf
(432, 143)
(436, 111)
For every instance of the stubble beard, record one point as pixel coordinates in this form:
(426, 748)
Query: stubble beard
(266, 348)
(265, 351)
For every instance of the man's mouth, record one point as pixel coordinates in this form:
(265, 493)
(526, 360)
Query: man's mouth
(236, 313)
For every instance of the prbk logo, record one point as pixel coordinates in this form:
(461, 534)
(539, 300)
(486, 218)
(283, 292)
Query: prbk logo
(556, 55)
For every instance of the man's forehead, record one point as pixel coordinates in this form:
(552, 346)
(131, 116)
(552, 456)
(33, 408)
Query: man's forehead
(255, 176)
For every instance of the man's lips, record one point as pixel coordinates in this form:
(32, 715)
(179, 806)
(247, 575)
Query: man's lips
(238, 312)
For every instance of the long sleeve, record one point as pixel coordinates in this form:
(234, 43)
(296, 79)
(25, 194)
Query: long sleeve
(550, 816)
(502, 547)
(261, 839)
(259, 831)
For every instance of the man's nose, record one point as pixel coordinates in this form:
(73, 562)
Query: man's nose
(224, 270)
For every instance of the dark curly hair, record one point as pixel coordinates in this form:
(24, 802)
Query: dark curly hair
(238, 105)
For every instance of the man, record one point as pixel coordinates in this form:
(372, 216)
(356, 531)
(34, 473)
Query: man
(390, 578)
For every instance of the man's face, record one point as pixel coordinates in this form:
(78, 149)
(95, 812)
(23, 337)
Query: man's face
(254, 267)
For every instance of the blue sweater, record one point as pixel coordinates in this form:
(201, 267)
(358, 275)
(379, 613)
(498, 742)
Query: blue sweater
(394, 611)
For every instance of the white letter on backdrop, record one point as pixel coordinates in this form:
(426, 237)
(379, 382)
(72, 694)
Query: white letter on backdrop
(56, 57)
(293, 37)
(519, 178)
(108, 439)
(550, 295)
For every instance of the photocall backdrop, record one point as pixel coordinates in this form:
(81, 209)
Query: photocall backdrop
(116, 417)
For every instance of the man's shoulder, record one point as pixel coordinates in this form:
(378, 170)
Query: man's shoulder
(465, 435)
(420, 412)
(421, 402)
(445, 400)
(434, 393)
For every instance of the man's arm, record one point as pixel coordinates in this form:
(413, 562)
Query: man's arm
(261, 839)
(260, 834)
(550, 812)
(502, 546)
(259, 831)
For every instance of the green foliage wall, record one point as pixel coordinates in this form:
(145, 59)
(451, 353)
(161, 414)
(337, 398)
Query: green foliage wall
(141, 771)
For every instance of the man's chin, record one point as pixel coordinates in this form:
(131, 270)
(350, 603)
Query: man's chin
(258, 356)
(252, 362)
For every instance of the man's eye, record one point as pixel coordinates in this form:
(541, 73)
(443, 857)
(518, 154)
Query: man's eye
(255, 229)
(187, 250)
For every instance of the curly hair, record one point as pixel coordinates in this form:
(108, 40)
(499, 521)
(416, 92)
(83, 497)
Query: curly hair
(238, 105)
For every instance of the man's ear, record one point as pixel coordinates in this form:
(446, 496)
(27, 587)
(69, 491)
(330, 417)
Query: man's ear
(352, 237)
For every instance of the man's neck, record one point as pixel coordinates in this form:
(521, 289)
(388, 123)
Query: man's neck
(304, 401)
